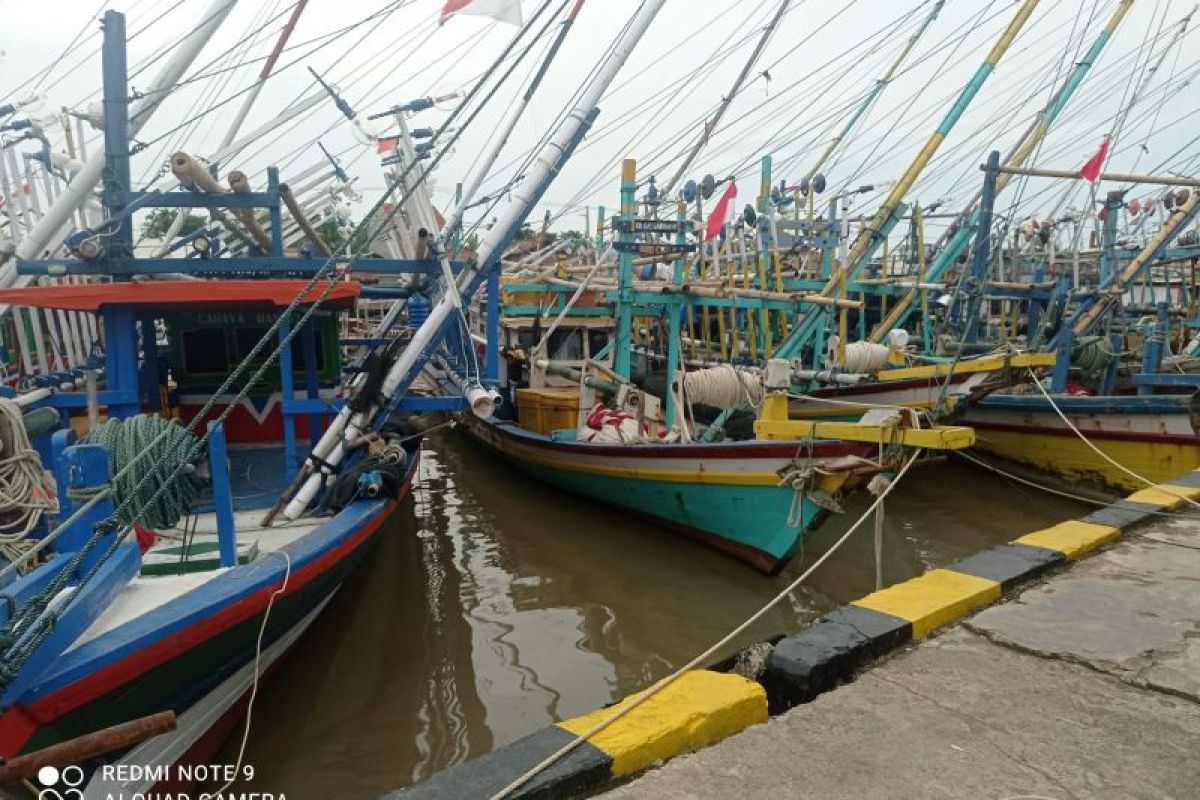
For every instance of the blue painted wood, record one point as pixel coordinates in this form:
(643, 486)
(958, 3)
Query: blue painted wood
(308, 339)
(433, 404)
(175, 615)
(81, 611)
(1120, 404)
(85, 466)
(21, 590)
(491, 366)
(267, 265)
(218, 464)
(276, 213)
(288, 402)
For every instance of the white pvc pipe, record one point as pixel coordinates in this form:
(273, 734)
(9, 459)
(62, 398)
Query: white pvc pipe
(517, 208)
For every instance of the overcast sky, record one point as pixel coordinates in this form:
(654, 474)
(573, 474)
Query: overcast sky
(822, 60)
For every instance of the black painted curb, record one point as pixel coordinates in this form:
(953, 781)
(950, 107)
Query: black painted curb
(585, 767)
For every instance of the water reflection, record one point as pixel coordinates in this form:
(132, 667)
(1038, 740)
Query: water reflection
(494, 606)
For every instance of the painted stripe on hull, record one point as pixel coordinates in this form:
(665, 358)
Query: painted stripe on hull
(172, 656)
(204, 716)
(1062, 453)
(744, 513)
(918, 393)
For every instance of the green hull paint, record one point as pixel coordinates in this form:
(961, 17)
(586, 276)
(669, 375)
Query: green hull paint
(749, 521)
(747, 516)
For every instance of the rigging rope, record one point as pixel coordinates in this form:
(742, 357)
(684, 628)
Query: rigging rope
(724, 387)
(708, 654)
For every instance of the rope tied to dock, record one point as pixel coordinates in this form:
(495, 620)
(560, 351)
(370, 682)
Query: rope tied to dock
(707, 655)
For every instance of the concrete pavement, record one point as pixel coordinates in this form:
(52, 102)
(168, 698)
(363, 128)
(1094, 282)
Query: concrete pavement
(1084, 686)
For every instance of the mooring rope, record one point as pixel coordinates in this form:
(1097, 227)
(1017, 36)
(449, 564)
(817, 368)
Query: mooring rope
(1100, 452)
(710, 652)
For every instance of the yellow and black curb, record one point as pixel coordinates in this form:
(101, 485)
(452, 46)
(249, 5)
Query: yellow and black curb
(705, 706)
(821, 656)
(701, 708)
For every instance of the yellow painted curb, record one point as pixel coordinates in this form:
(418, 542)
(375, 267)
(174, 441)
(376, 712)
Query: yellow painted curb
(1166, 495)
(699, 709)
(1072, 538)
(933, 599)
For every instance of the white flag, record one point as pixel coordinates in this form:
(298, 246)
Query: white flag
(502, 10)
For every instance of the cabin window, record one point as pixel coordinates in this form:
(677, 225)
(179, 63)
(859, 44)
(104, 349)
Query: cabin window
(566, 345)
(204, 351)
(246, 338)
(597, 341)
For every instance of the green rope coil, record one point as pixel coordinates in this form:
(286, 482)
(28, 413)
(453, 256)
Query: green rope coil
(124, 440)
(1092, 355)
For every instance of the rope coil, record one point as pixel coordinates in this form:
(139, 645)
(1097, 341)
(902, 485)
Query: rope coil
(26, 490)
(158, 491)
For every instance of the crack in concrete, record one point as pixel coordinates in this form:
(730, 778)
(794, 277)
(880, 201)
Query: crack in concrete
(984, 723)
(1126, 676)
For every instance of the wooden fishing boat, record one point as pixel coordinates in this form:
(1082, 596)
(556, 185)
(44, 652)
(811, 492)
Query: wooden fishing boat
(733, 496)
(929, 387)
(1156, 436)
(190, 615)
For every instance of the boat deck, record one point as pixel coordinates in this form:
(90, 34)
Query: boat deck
(258, 478)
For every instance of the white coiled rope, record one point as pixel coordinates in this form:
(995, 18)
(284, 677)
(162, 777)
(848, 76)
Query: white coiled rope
(26, 490)
(724, 387)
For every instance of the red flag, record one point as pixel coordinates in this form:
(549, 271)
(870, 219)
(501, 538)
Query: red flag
(501, 10)
(386, 145)
(1091, 170)
(717, 219)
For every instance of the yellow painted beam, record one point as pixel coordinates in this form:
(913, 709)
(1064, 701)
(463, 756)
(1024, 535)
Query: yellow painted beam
(1072, 538)
(985, 364)
(934, 599)
(699, 709)
(941, 437)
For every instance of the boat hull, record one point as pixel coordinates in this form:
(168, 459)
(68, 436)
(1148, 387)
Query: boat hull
(727, 495)
(175, 656)
(1156, 437)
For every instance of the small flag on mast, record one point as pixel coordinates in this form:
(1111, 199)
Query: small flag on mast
(720, 214)
(501, 10)
(1091, 170)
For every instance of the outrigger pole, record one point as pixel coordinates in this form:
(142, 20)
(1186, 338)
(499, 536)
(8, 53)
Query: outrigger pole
(348, 425)
(880, 84)
(710, 126)
(876, 231)
(1025, 146)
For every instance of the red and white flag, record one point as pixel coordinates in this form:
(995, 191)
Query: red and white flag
(720, 214)
(1091, 170)
(501, 10)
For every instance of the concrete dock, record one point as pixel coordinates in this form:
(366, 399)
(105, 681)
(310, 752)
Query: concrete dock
(1084, 685)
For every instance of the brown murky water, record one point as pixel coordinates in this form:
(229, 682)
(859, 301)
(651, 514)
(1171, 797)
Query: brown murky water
(495, 606)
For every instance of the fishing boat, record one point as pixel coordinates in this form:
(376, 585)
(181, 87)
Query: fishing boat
(573, 415)
(161, 620)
